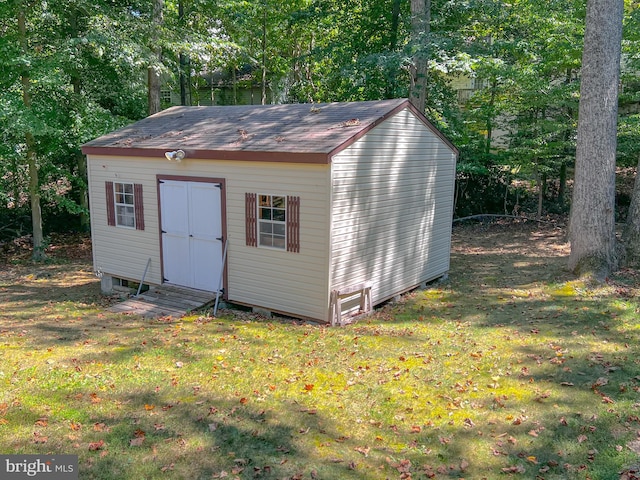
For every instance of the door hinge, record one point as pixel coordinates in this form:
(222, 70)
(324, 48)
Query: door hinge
(162, 231)
(165, 280)
(160, 181)
(220, 238)
(219, 185)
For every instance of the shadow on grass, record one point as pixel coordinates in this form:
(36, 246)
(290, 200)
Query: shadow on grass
(213, 437)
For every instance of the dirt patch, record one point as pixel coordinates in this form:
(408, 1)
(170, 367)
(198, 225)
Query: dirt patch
(509, 254)
(59, 247)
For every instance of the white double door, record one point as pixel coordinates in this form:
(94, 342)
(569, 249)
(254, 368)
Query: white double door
(192, 243)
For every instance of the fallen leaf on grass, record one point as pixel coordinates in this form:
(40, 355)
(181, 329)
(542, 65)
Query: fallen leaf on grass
(363, 450)
(514, 469)
(100, 427)
(42, 422)
(94, 446)
(600, 382)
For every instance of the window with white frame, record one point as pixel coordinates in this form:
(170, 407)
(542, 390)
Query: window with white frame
(272, 221)
(124, 202)
(165, 96)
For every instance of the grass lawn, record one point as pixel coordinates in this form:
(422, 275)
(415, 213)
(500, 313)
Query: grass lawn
(510, 369)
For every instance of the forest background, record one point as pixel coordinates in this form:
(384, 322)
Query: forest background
(73, 70)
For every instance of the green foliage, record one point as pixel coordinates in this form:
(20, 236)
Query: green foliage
(88, 65)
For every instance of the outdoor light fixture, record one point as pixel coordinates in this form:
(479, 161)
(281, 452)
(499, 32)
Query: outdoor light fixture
(176, 155)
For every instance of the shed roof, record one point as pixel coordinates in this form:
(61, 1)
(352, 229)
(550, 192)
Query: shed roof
(305, 133)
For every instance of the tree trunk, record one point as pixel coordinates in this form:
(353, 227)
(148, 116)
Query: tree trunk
(542, 187)
(631, 233)
(31, 154)
(264, 57)
(592, 222)
(391, 86)
(234, 84)
(81, 160)
(562, 187)
(489, 120)
(183, 61)
(420, 22)
(395, 21)
(153, 72)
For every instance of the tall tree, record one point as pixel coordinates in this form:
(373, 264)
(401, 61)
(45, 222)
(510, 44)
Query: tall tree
(30, 142)
(631, 233)
(592, 222)
(153, 71)
(420, 27)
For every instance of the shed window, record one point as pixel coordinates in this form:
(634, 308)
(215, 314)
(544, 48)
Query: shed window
(124, 205)
(272, 221)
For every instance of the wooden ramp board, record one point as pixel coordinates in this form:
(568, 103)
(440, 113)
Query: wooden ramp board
(164, 301)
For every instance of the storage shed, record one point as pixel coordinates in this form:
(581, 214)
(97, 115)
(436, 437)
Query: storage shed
(316, 211)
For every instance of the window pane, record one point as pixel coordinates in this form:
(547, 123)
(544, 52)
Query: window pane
(125, 216)
(266, 241)
(265, 214)
(278, 202)
(279, 229)
(278, 242)
(279, 215)
(265, 201)
(266, 227)
(125, 221)
(128, 188)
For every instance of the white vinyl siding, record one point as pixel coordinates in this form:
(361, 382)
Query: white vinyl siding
(392, 207)
(275, 279)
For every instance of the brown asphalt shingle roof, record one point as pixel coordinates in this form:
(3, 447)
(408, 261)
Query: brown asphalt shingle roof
(251, 132)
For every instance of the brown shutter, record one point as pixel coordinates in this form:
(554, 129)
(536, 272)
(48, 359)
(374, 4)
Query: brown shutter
(251, 220)
(293, 224)
(138, 206)
(111, 206)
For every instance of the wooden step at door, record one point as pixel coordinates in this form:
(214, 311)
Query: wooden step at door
(163, 301)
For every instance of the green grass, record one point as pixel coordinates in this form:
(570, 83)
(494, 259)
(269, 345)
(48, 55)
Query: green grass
(512, 368)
